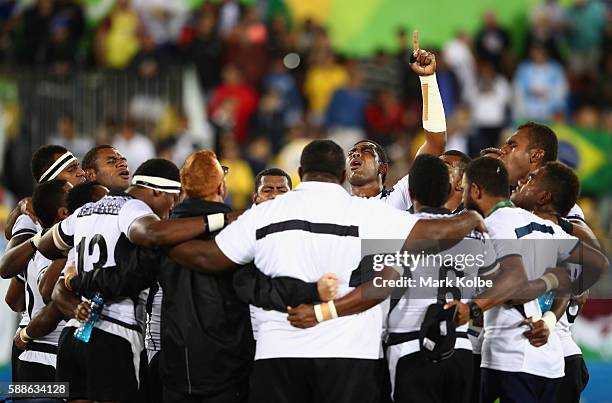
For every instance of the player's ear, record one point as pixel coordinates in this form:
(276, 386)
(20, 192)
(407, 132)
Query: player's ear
(544, 198)
(62, 213)
(536, 155)
(254, 198)
(475, 191)
(343, 176)
(383, 168)
(300, 173)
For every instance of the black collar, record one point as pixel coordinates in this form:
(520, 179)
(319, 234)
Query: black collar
(195, 207)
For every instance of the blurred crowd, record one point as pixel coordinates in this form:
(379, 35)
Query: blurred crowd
(271, 84)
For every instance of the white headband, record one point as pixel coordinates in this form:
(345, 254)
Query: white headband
(157, 183)
(58, 166)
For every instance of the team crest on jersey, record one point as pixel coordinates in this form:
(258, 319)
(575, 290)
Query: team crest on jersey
(109, 205)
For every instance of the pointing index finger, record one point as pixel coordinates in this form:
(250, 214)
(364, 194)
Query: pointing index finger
(415, 40)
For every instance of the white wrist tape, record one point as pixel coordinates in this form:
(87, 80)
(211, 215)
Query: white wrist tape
(552, 282)
(215, 222)
(318, 313)
(550, 320)
(434, 120)
(332, 309)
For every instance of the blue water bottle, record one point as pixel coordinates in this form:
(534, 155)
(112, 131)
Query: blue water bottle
(83, 333)
(546, 300)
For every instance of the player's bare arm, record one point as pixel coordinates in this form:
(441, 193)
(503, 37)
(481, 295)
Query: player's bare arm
(434, 121)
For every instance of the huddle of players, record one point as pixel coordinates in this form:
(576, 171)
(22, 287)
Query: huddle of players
(519, 362)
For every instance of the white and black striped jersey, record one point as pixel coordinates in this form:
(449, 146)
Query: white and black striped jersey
(98, 231)
(24, 226)
(541, 244)
(463, 263)
(315, 229)
(398, 196)
(34, 303)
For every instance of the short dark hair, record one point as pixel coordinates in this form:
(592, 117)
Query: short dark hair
(89, 160)
(563, 185)
(272, 172)
(323, 157)
(428, 180)
(490, 150)
(465, 159)
(43, 159)
(490, 174)
(81, 194)
(48, 197)
(541, 136)
(159, 167)
(382, 154)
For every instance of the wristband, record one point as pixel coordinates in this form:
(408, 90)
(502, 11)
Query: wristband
(552, 282)
(67, 279)
(434, 120)
(23, 335)
(550, 320)
(332, 309)
(318, 313)
(214, 222)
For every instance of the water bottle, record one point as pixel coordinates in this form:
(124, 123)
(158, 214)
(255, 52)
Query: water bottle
(546, 301)
(83, 333)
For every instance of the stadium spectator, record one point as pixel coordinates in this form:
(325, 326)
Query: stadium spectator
(150, 61)
(490, 101)
(384, 117)
(281, 80)
(345, 115)
(246, 47)
(380, 71)
(270, 119)
(229, 16)
(233, 103)
(323, 77)
(239, 174)
(67, 135)
(545, 29)
(118, 37)
(587, 21)
(134, 146)
(205, 50)
(450, 88)
(35, 23)
(458, 56)
(540, 87)
(492, 41)
(163, 20)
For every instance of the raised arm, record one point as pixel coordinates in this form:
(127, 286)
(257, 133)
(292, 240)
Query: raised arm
(423, 63)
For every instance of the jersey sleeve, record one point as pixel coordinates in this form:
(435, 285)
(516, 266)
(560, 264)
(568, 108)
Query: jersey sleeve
(24, 226)
(490, 258)
(132, 210)
(237, 240)
(63, 232)
(399, 197)
(576, 212)
(503, 237)
(565, 244)
(384, 222)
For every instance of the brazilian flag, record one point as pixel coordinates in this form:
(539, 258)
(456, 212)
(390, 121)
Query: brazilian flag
(589, 152)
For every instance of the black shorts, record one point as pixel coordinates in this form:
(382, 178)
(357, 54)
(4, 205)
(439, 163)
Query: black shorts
(15, 352)
(101, 370)
(418, 379)
(516, 387)
(154, 388)
(575, 380)
(320, 380)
